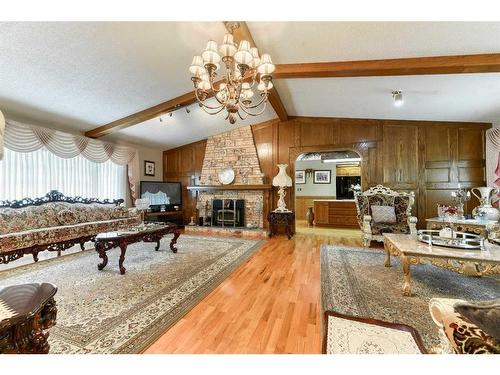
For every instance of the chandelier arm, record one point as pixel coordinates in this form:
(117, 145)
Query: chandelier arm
(263, 100)
(254, 114)
(212, 113)
(243, 117)
(203, 105)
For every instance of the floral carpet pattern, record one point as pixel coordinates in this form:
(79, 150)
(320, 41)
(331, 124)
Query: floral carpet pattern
(355, 282)
(105, 312)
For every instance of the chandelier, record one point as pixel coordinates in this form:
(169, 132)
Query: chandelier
(234, 92)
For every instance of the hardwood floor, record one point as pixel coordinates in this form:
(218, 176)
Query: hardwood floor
(271, 304)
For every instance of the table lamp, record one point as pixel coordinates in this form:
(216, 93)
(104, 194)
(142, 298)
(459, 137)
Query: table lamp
(282, 180)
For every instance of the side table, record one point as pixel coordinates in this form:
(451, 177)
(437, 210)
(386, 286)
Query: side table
(27, 311)
(285, 218)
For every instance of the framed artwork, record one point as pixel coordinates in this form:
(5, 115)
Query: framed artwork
(300, 177)
(322, 177)
(149, 168)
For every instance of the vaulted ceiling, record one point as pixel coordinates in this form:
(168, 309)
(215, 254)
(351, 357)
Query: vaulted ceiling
(79, 76)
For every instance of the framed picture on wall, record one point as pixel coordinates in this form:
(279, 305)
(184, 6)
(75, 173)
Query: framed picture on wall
(300, 177)
(322, 177)
(149, 168)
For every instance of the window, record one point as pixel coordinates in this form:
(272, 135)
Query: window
(34, 174)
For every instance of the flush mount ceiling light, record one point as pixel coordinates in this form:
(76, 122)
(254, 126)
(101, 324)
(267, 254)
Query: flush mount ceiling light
(244, 69)
(397, 95)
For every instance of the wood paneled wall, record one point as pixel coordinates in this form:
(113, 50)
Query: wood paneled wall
(427, 157)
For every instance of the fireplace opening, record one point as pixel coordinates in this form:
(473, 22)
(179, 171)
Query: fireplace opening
(228, 212)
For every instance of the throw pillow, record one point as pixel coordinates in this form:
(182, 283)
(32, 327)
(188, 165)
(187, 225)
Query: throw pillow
(66, 217)
(383, 214)
(485, 314)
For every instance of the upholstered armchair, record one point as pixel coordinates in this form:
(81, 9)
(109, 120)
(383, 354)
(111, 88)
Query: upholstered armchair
(374, 222)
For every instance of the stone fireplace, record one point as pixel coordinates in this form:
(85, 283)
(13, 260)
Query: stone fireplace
(235, 149)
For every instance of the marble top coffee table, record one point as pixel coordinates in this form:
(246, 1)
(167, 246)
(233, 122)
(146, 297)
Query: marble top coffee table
(467, 262)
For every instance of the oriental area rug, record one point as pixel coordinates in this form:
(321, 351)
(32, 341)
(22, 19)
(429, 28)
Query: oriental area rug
(355, 282)
(105, 312)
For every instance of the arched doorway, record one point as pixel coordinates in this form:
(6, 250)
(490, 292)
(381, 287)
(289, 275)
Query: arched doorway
(325, 183)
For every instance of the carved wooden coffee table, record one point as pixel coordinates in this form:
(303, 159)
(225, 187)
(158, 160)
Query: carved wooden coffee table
(26, 312)
(121, 239)
(467, 262)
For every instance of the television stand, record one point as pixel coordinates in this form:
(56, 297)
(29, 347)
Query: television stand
(176, 216)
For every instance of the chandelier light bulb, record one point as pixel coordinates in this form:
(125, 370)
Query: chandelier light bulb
(243, 55)
(263, 86)
(210, 55)
(196, 67)
(266, 64)
(227, 48)
(256, 59)
(397, 95)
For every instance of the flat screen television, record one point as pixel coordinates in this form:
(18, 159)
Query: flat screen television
(167, 194)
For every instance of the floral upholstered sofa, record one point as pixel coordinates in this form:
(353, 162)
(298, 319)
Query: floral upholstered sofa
(56, 223)
(400, 220)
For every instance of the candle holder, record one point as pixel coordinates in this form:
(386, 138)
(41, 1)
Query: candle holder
(460, 197)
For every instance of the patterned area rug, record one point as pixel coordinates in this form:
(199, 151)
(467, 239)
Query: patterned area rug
(105, 312)
(354, 281)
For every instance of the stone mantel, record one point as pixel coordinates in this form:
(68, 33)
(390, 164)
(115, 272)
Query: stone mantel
(229, 187)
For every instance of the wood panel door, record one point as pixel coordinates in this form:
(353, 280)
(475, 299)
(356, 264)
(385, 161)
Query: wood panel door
(400, 156)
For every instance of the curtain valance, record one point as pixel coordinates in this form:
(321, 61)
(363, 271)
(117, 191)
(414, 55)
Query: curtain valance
(22, 137)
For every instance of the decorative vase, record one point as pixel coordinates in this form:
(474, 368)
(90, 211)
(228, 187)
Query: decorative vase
(485, 206)
(310, 217)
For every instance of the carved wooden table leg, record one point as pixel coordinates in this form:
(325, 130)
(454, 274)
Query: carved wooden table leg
(157, 247)
(177, 233)
(405, 262)
(100, 248)
(123, 248)
(387, 259)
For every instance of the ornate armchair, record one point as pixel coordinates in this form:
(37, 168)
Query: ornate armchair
(401, 221)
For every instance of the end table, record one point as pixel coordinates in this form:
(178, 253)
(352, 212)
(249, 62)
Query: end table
(286, 218)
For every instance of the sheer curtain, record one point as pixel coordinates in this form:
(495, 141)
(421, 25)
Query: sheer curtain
(33, 174)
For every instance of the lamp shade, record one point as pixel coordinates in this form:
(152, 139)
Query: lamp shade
(282, 179)
(2, 132)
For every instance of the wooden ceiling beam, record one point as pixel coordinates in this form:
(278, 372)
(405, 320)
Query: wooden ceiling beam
(243, 33)
(142, 116)
(483, 63)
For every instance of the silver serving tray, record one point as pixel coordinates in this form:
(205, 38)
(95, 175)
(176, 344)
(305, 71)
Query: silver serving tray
(461, 240)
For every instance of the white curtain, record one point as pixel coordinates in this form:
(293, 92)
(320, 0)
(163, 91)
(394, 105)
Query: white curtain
(33, 174)
(24, 138)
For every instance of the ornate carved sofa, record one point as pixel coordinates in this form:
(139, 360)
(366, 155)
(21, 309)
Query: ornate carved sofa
(56, 223)
(383, 196)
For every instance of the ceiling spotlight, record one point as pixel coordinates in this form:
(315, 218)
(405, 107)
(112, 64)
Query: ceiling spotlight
(161, 120)
(397, 95)
(170, 114)
(188, 110)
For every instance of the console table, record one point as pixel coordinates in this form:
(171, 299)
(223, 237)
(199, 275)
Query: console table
(121, 239)
(26, 312)
(284, 218)
(466, 225)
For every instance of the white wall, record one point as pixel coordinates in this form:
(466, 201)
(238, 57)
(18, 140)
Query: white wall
(312, 189)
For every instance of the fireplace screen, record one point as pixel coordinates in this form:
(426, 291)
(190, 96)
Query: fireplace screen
(228, 212)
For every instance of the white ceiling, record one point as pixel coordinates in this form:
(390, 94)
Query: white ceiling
(77, 76)
(464, 97)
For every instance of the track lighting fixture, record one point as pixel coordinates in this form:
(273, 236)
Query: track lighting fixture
(188, 110)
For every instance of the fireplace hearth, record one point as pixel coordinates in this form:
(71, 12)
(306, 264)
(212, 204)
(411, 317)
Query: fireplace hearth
(228, 213)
